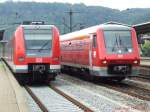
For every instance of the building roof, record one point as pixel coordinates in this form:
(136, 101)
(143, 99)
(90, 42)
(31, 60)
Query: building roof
(142, 28)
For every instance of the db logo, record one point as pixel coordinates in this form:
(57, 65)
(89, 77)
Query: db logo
(39, 60)
(120, 56)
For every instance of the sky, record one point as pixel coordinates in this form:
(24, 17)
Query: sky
(115, 4)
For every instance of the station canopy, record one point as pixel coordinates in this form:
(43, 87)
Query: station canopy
(142, 28)
(1, 34)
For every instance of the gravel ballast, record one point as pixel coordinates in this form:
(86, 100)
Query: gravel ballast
(118, 100)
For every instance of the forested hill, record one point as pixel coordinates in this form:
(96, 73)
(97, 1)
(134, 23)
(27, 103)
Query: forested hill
(56, 13)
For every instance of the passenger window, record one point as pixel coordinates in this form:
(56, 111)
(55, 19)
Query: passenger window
(94, 41)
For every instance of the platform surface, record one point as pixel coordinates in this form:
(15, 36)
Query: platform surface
(145, 63)
(9, 101)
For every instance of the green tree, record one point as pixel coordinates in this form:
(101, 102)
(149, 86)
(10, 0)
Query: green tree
(146, 49)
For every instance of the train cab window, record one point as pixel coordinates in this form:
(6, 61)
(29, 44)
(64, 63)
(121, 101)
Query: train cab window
(38, 41)
(118, 42)
(94, 44)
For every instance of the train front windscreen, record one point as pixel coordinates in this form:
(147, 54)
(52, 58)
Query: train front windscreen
(118, 42)
(38, 42)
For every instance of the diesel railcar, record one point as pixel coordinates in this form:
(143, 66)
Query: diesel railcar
(108, 50)
(33, 51)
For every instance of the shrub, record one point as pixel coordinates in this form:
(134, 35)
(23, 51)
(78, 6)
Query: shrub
(146, 49)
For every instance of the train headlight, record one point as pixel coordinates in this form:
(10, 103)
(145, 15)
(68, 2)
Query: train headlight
(104, 62)
(135, 62)
(21, 59)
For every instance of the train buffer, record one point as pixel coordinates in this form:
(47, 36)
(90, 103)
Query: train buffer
(11, 97)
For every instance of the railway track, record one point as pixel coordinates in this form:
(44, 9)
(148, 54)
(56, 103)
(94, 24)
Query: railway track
(144, 77)
(77, 103)
(36, 99)
(141, 75)
(144, 73)
(141, 79)
(144, 68)
(126, 87)
(96, 94)
(132, 90)
(57, 100)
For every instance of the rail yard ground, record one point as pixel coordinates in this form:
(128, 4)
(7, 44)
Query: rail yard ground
(95, 96)
(84, 59)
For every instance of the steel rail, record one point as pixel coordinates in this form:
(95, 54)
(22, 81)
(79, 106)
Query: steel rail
(128, 89)
(36, 99)
(74, 101)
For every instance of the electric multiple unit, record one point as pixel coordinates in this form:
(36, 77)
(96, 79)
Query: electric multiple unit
(108, 50)
(33, 52)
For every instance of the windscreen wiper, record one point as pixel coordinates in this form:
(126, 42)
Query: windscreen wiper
(116, 43)
(121, 44)
(45, 44)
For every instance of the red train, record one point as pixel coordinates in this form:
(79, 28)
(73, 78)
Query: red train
(33, 52)
(108, 51)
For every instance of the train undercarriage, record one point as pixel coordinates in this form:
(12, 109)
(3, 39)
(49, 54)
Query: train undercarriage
(111, 73)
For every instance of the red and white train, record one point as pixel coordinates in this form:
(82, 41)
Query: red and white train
(33, 52)
(108, 50)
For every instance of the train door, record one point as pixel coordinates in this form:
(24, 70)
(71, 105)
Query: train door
(92, 50)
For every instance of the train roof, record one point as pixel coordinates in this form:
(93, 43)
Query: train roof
(93, 29)
(9, 31)
(37, 26)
